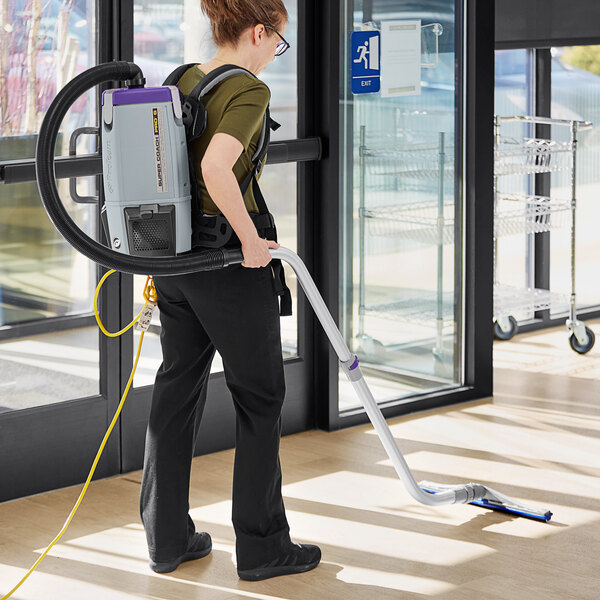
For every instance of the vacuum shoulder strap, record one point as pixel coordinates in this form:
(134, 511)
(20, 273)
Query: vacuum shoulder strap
(216, 76)
(177, 74)
(259, 155)
(209, 81)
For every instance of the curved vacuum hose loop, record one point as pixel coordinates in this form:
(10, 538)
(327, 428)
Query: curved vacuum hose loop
(44, 164)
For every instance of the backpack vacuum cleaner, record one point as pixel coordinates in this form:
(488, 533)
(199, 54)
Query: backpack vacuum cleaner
(147, 187)
(147, 219)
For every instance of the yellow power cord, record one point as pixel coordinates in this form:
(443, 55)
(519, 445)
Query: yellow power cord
(150, 297)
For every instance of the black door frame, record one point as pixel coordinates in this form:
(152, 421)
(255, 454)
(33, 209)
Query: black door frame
(475, 72)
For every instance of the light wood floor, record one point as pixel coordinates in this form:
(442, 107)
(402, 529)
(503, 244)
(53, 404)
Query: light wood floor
(538, 440)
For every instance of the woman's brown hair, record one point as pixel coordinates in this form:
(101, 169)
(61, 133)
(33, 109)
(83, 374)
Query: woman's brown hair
(228, 18)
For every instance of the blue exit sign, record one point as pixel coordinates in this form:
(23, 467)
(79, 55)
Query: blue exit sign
(365, 62)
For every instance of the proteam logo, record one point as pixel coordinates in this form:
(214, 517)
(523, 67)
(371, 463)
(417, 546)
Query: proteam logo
(159, 150)
(155, 120)
(108, 173)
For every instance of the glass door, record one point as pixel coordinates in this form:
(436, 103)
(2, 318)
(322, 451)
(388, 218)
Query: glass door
(52, 396)
(401, 299)
(165, 36)
(45, 285)
(185, 37)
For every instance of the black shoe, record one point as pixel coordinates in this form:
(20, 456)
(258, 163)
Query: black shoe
(200, 547)
(298, 559)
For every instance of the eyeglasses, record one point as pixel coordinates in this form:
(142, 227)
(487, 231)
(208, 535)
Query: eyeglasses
(283, 45)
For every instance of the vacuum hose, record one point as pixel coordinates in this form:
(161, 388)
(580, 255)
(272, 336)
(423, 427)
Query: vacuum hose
(44, 164)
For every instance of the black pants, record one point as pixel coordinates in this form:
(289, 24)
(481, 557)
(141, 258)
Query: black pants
(235, 311)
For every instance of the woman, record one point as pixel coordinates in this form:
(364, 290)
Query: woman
(235, 311)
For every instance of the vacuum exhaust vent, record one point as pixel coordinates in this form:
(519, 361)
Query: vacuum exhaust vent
(151, 230)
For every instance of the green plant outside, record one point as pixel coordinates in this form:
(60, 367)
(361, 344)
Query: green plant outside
(583, 57)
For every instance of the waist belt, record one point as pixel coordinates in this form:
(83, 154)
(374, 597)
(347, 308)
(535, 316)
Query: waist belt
(214, 231)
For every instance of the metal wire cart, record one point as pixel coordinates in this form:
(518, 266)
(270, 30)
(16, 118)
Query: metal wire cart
(530, 214)
(407, 219)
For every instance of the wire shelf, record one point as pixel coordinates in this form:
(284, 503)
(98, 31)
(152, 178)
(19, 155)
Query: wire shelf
(531, 214)
(417, 222)
(417, 306)
(526, 156)
(509, 300)
(419, 161)
(520, 213)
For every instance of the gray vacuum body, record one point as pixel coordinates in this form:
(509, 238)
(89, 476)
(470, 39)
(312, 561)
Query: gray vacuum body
(147, 209)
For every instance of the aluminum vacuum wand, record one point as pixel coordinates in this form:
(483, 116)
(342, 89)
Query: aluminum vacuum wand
(429, 493)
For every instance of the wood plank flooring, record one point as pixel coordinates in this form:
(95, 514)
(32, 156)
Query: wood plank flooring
(538, 440)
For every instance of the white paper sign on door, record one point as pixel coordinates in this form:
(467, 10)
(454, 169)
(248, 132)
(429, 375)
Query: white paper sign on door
(400, 58)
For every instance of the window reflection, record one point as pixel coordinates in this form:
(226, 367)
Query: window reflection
(576, 95)
(43, 45)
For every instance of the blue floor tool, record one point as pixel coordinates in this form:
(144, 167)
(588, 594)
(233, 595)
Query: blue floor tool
(496, 501)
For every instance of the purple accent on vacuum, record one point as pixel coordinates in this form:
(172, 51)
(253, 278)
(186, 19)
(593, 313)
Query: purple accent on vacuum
(354, 364)
(139, 95)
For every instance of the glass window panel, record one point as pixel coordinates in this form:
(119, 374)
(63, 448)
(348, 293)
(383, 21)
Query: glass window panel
(400, 290)
(43, 45)
(514, 250)
(576, 95)
(512, 83)
(42, 277)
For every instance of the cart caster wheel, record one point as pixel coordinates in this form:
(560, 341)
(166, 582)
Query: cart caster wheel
(371, 348)
(583, 348)
(442, 364)
(507, 334)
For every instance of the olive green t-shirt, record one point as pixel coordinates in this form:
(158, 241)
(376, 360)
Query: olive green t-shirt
(235, 106)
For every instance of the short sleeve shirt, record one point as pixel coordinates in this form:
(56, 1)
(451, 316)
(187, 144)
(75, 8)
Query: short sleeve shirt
(236, 106)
